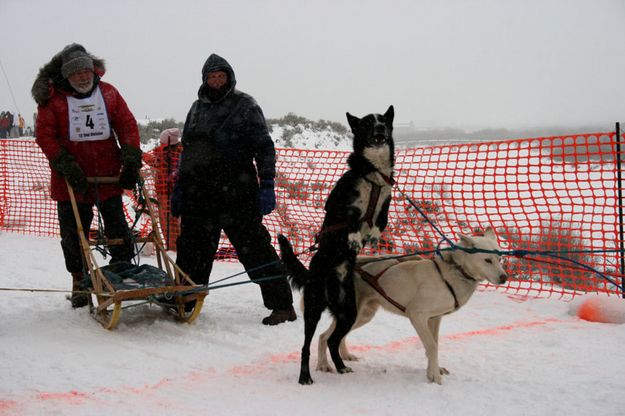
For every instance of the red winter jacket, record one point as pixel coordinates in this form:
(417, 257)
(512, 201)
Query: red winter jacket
(96, 158)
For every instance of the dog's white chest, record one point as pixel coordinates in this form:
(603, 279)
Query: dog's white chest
(380, 157)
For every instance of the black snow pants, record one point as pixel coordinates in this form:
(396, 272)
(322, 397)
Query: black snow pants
(115, 226)
(199, 240)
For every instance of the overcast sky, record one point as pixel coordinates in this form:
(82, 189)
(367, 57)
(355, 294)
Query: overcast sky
(465, 63)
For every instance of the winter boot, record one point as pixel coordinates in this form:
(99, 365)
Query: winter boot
(80, 297)
(278, 316)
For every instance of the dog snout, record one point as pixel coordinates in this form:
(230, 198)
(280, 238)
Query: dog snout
(380, 130)
(380, 133)
(502, 278)
(379, 138)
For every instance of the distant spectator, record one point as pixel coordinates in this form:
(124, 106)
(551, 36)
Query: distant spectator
(4, 125)
(164, 159)
(20, 125)
(11, 123)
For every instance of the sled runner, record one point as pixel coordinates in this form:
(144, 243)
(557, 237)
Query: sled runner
(110, 286)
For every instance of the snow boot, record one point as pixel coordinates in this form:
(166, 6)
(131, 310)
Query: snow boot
(80, 297)
(278, 316)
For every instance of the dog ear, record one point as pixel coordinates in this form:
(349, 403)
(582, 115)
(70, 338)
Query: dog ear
(466, 241)
(490, 233)
(353, 122)
(390, 114)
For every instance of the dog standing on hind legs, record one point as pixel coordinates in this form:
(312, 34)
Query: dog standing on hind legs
(356, 214)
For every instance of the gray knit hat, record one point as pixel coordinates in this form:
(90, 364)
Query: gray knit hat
(75, 58)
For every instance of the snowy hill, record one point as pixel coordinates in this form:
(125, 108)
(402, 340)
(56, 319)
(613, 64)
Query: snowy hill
(290, 131)
(303, 137)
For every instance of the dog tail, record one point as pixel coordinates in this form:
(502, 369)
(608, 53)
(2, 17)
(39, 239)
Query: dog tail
(297, 273)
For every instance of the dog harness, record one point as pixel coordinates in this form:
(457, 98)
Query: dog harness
(374, 196)
(451, 289)
(373, 282)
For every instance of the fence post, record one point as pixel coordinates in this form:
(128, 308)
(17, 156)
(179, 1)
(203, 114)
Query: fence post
(620, 206)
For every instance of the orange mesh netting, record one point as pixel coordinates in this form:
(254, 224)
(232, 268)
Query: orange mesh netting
(554, 195)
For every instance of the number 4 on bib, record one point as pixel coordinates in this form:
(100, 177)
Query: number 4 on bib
(89, 123)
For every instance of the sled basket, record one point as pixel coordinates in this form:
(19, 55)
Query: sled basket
(128, 276)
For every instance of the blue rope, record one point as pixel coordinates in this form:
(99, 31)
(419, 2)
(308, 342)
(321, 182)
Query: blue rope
(262, 266)
(420, 211)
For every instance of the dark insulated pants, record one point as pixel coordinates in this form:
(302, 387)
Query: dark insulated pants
(199, 240)
(115, 226)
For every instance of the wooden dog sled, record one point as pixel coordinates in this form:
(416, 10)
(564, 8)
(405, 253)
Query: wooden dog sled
(123, 282)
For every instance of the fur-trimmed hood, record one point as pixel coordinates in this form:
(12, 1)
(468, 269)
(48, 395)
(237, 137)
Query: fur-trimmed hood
(50, 78)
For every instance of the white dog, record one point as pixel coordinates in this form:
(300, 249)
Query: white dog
(422, 290)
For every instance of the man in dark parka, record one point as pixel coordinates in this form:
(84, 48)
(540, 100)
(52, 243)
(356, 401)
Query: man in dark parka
(220, 188)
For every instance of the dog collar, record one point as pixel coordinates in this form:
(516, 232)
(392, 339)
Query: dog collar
(389, 180)
(461, 270)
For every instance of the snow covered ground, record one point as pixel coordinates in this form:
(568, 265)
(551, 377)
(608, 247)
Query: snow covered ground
(507, 356)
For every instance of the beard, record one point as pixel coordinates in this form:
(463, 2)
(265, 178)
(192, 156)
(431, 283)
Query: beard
(82, 87)
(216, 94)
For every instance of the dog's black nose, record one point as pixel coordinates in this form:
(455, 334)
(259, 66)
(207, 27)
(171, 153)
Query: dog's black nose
(379, 138)
(502, 278)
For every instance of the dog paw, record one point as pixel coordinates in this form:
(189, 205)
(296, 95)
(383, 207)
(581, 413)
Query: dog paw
(444, 371)
(349, 357)
(325, 367)
(345, 370)
(354, 241)
(355, 246)
(434, 375)
(305, 380)
(374, 236)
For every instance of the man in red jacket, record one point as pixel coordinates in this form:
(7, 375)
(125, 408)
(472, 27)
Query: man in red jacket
(85, 128)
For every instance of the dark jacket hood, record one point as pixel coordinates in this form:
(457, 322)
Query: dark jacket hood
(50, 78)
(212, 64)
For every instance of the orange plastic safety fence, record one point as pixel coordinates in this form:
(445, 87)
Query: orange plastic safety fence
(555, 198)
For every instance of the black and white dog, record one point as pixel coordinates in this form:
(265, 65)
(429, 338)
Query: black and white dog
(356, 214)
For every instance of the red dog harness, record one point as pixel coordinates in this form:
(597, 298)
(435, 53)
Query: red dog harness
(373, 282)
(374, 196)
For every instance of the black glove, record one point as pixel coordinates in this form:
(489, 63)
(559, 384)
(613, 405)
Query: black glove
(128, 178)
(131, 164)
(66, 165)
(267, 196)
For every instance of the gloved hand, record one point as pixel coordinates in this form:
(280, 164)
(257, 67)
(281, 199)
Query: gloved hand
(128, 178)
(65, 164)
(176, 200)
(131, 164)
(267, 196)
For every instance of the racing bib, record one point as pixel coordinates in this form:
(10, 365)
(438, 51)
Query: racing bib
(88, 119)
